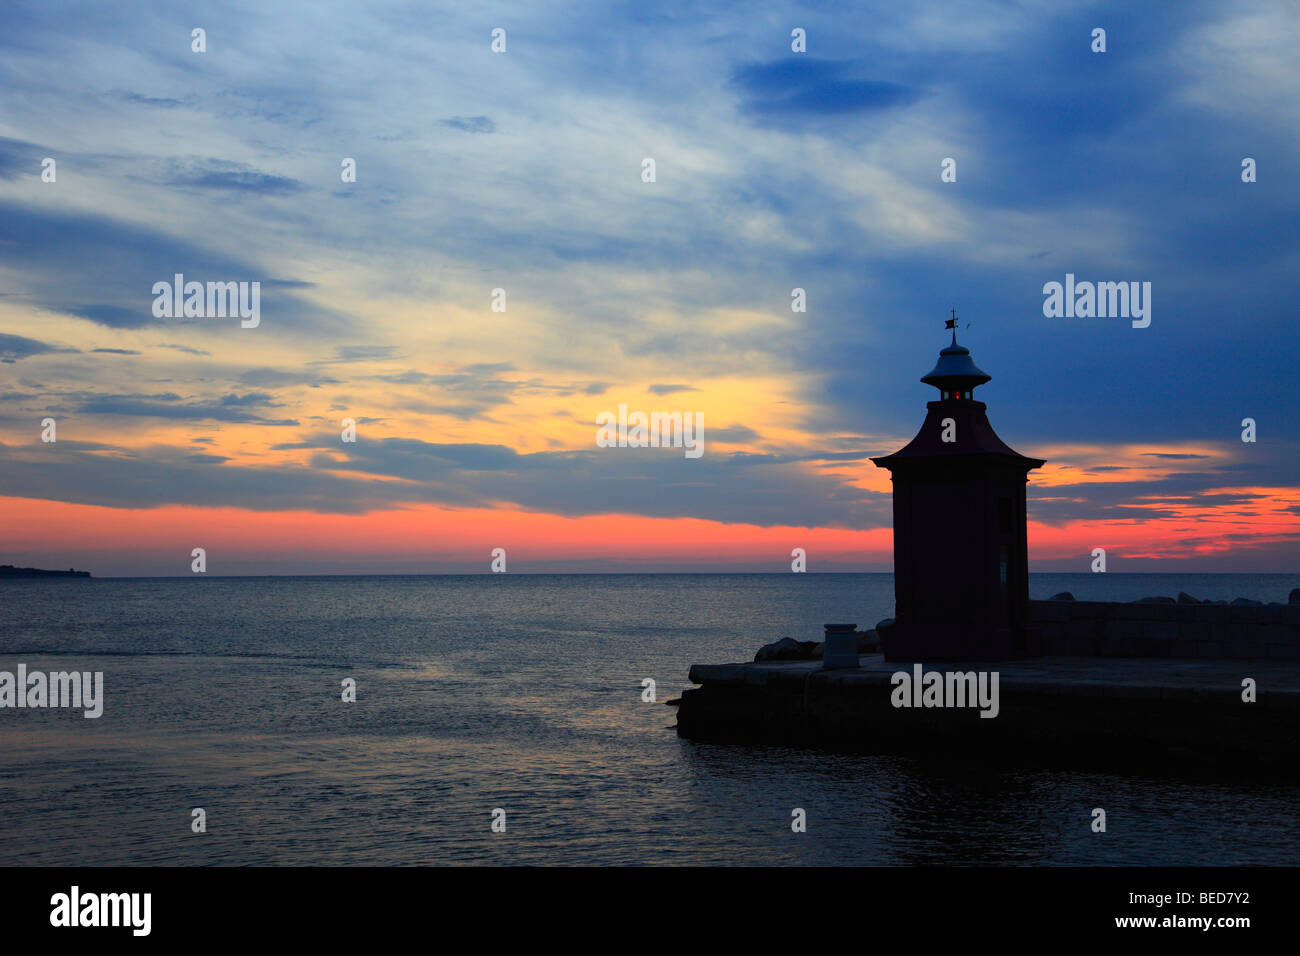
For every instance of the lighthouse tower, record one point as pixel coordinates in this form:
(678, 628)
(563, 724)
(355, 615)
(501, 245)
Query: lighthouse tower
(961, 576)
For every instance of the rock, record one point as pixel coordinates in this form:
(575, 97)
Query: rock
(1246, 602)
(868, 641)
(1185, 598)
(883, 630)
(788, 649)
(675, 702)
(783, 650)
(1156, 600)
(1063, 596)
(1294, 596)
(817, 650)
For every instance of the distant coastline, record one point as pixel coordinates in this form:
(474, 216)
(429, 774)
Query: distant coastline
(9, 571)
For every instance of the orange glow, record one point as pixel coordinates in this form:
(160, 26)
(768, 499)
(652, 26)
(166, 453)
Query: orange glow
(410, 535)
(439, 535)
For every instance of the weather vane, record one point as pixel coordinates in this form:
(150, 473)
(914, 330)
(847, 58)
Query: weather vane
(952, 324)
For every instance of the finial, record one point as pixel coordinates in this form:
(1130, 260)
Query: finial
(952, 324)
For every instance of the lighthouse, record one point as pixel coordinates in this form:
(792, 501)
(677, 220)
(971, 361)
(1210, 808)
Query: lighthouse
(961, 574)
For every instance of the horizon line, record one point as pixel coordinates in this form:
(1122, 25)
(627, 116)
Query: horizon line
(493, 574)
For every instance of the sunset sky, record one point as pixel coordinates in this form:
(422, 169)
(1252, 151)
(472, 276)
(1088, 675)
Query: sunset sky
(522, 170)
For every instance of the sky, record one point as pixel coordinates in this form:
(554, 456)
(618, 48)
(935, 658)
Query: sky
(524, 171)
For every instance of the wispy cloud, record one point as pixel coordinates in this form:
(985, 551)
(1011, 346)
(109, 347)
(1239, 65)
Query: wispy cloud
(470, 124)
(15, 347)
(225, 175)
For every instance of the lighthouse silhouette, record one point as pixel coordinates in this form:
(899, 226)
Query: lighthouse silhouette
(961, 574)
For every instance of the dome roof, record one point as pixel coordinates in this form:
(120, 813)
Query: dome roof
(955, 370)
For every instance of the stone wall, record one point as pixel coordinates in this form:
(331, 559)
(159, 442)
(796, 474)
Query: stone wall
(1166, 628)
(1133, 714)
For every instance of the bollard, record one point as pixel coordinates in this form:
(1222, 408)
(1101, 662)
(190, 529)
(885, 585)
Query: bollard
(841, 647)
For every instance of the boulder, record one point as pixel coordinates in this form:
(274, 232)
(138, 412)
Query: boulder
(883, 630)
(788, 649)
(1063, 596)
(1185, 598)
(868, 641)
(1246, 602)
(1156, 600)
(782, 650)
(1294, 596)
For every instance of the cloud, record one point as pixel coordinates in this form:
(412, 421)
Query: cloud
(360, 353)
(733, 435)
(470, 124)
(275, 378)
(103, 269)
(110, 316)
(159, 102)
(286, 284)
(796, 89)
(225, 175)
(732, 487)
(228, 408)
(162, 475)
(357, 478)
(474, 376)
(19, 158)
(15, 347)
(670, 389)
(117, 351)
(1167, 497)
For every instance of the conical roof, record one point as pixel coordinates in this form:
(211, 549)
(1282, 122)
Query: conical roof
(956, 372)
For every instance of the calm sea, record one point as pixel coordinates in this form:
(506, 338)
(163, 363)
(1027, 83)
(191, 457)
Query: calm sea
(523, 692)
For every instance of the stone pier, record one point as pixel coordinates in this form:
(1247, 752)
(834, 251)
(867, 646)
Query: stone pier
(1107, 712)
